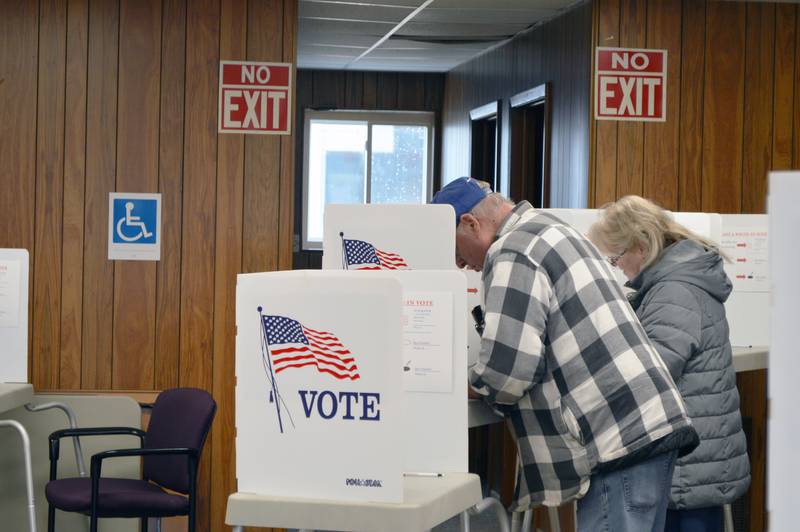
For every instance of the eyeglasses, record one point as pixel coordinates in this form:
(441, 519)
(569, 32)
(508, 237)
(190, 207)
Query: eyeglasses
(614, 259)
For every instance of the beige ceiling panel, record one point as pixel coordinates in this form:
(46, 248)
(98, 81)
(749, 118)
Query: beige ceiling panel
(348, 12)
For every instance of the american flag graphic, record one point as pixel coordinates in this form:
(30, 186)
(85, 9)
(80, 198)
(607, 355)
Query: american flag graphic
(293, 345)
(365, 256)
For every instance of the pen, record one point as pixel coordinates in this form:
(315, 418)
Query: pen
(421, 474)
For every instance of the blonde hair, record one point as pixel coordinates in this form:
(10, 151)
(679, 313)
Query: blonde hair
(633, 221)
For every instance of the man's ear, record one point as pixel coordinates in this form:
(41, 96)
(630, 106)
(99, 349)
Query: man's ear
(469, 221)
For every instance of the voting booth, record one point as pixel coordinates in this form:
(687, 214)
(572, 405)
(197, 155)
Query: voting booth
(318, 380)
(389, 237)
(348, 380)
(743, 238)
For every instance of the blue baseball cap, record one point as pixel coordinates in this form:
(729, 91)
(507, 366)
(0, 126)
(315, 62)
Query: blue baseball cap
(462, 194)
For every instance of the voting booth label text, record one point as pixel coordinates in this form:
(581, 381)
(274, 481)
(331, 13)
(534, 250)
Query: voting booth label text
(134, 226)
(630, 84)
(255, 97)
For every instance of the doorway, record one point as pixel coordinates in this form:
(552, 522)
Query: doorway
(529, 167)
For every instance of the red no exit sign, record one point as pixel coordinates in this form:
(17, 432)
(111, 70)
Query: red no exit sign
(255, 97)
(630, 84)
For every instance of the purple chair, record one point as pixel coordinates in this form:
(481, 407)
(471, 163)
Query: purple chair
(170, 451)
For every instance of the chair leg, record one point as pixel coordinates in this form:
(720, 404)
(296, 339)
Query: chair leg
(144, 521)
(93, 523)
(51, 518)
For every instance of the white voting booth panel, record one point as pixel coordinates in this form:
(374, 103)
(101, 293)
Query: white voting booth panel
(784, 424)
(474, 298)
(435, 428)
(743, 238)
(318, 395)
(415, 237)
(14, 315)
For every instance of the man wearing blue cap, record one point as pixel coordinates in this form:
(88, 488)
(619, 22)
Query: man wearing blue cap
(563, 357)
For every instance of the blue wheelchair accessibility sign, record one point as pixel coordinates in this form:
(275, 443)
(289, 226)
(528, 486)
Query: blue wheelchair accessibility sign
(134, 224)
(135, 220)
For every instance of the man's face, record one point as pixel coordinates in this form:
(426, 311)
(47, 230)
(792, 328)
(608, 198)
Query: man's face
(473, 240)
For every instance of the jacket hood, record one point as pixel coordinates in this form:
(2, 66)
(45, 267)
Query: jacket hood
(689, 262)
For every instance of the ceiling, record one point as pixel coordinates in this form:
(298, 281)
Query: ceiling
(411, 35)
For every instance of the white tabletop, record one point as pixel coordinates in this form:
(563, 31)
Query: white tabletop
(427, 502)
(13, 395)
(750, 358)
(744, 359)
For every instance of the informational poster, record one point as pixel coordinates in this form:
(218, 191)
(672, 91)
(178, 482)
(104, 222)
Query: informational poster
(428, 341)
(389, 237)
(319, 385)
(9, 292)
(745, 240)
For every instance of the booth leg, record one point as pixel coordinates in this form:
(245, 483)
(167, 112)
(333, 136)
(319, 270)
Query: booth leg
(502, 517)
(26, 450)
(464, 521)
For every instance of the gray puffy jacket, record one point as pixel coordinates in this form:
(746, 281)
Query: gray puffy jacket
(679, 300)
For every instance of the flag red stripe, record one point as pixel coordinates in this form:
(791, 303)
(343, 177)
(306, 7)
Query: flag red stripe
(282, 360)
(322, 370)
(369, 268)
(277, 352)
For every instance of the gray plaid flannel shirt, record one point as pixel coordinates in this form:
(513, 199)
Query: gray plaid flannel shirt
(565, 359)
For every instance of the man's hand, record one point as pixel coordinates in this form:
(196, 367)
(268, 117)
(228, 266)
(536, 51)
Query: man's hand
(472, 394)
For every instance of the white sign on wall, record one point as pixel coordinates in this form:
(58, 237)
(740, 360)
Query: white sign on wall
(319, 371)
(255, 97)
(630, 84)
(134, 226)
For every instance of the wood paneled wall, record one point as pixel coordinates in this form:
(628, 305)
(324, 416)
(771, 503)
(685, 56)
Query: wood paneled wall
(558, 52)
(733, 104)
(355, 91)
(99, 96)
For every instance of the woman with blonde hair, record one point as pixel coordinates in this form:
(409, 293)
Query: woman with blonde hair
(680, 290)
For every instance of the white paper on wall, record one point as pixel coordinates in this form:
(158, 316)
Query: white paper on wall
(319, 412)
(389, 237)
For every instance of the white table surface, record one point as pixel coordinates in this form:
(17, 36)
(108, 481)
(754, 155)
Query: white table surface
(750, 358)
(744, 359)
(427, 502)
(14, 395)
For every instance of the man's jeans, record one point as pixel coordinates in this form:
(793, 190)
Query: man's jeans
(634, 499)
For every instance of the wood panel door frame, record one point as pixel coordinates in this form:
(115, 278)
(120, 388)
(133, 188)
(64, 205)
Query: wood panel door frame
(479, 118)
(520, 105)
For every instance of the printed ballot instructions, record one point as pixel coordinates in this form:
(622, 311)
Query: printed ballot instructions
(428, 342)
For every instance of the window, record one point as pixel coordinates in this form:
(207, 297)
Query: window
(363, 157)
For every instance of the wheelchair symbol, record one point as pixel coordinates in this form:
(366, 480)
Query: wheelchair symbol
(131, 221)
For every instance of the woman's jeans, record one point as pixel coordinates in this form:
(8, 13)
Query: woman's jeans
(633, 499)
(696, 520)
